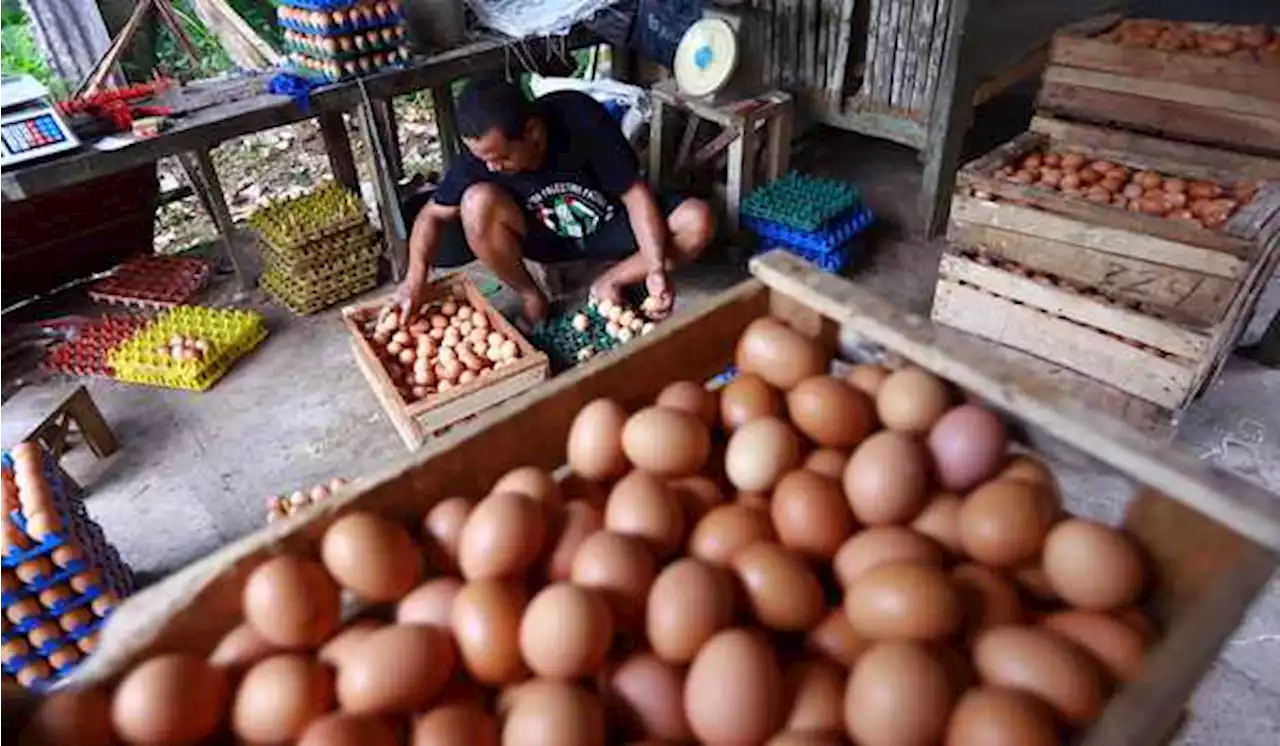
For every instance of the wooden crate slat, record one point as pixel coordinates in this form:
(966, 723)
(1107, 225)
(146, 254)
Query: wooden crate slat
(925, 14)
(1164, 90)
(1251, 220)
(1149, 330)
(903, 59)
(1102, 238)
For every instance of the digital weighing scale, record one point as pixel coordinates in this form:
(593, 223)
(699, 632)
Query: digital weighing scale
(32, 127)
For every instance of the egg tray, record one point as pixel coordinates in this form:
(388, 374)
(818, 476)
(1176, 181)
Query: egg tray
(348, 22)
(560, 341)
(323, 72)
(320, 257)
(306, 302)
(87, 354)
(231, 333)
(835, 234)
(800, 201)
(357, 44)
(153, 282)
(293, 223)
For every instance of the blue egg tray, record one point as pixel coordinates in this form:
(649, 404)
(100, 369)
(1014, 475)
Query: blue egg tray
(834, 235)
(329, 5)
(338, 29)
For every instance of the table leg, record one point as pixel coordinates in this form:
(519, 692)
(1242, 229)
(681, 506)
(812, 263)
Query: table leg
(385, 117)
(204, 177)
(393, 228)
(741, 175)
(337, 145)
(446, 122)
(779, 150)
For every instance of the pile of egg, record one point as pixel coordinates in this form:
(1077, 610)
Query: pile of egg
(448, 344)
(360, 14)
(184, 349)
(279, 506)
(796, 558)
(622, 324)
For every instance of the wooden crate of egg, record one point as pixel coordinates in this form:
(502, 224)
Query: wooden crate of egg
(804, 556)
(455, 357)
(1133, 260)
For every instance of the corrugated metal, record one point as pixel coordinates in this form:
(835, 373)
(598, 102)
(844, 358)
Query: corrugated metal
(71, 33)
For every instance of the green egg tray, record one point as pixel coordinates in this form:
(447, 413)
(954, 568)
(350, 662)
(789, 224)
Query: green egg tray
(801, 201)
(561, 342)
(231, 333)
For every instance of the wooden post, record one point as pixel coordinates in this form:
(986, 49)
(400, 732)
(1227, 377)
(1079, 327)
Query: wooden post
(779, 151)
(393, 228)
(204, 177)
(657, 124)
(950, 116)
(384, 115)
(446, 122)
(741, 174)
(337, 145)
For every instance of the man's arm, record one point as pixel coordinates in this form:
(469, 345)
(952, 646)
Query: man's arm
(647, 224)
(424, 241)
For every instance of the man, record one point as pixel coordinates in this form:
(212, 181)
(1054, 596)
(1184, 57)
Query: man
(550, 180)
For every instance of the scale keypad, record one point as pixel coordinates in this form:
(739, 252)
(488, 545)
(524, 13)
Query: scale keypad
(29, 134)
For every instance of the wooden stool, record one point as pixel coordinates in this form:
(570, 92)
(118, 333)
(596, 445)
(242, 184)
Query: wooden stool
(80, 411)
(743, 120)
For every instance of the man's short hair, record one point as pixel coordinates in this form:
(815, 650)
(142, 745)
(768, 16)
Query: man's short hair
(487, 104)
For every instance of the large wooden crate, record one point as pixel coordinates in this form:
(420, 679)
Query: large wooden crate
(419, 420)
(1148, 305)
(1210, 537)
(1217, 100)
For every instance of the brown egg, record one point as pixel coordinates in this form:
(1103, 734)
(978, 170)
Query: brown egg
(1034, 583)
(430, 603)
(834, 637)
(594, 449)
(810, 514)
(1004, 523)
(815, 688)
(240, 648)
(456, 724)
(968, 446)
(912, 400)
(666, 442)
(575, 522)
(697, 494)
(641, 505)
(988, 599)
(693, 398)
(371, 556)
(442, 528)
(565, 632)
(804, 738)
(1027, 468)
(1044, 665)
(991, 716)
(867, 378)
(747, 397)
(621, 568)
(279, 697)
(1117, 646)
(399, 668)
(734, 691)
(760, 452)
(529, 481)
(830, 412)
(341, 729)
(503, 536)
(1092, 566)
(903, 601)
(829, 462)
(783, 592)
(170, 698)
(292, 602)
(889, 681)
(726, 530)
(69, 716)
(881, 545)
(347, 641)
(486, 626)
(886, 479)
(554, 713)
(689, 603)
(940, 521)
(778, 354)
(576, 488)
(644, 698)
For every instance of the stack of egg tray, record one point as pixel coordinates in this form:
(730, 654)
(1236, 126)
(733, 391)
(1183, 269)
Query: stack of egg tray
(230, 333)
(331, 40)
(72, 579)
(153, 282)
(819, 220)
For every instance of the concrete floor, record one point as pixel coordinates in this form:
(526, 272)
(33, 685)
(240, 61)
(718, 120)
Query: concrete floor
(194, 469)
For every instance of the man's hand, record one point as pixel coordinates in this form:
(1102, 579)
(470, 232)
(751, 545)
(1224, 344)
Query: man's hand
(534, 305)
(662, 294)
(409, 297)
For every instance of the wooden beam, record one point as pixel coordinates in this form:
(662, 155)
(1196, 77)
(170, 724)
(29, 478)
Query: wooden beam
(950, 115)
(242, 44)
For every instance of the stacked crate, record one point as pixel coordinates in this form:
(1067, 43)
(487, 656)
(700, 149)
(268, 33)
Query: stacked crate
(331, 40)
(819, 220)
(317, 249)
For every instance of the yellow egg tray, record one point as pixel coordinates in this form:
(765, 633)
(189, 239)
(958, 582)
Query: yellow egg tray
(292, 224)
(325, 256)
(305, 298)
(231, 334)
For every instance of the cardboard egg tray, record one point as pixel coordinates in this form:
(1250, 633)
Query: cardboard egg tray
(73, 580)
(291, 225)
(87, 354)
(153, 282)
(231, 335)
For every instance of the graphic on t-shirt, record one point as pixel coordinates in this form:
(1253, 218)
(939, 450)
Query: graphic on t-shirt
(568, 209)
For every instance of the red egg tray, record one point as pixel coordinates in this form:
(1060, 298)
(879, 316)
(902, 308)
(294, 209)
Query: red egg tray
(86, 355)
(153, 282)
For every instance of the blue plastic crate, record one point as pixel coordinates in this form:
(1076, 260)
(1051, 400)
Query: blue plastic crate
(836, 234)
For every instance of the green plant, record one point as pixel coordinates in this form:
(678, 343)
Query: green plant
(19, 54)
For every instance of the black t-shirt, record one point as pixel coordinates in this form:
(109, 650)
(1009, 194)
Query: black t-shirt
(588, 167)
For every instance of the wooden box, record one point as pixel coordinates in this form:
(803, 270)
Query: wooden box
(416, 421)
(1148, 305)
(1210, 536)
(1218, 100)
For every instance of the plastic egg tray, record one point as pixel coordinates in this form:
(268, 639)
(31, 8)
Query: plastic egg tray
(231, 335)
(66, 619)
(153, 282)
(291, 224)
(321, 72)
(303, 298)
(320, 257)
(331, 17)
(87, 354)
(561, 342)
(829, 249)
(802, 202)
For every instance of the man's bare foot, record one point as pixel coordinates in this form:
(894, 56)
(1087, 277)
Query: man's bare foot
(534, 304)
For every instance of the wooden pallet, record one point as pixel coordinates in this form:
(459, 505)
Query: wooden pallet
(1147, 305)
(1223, 101)
(1211, 537)
(417, 421)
